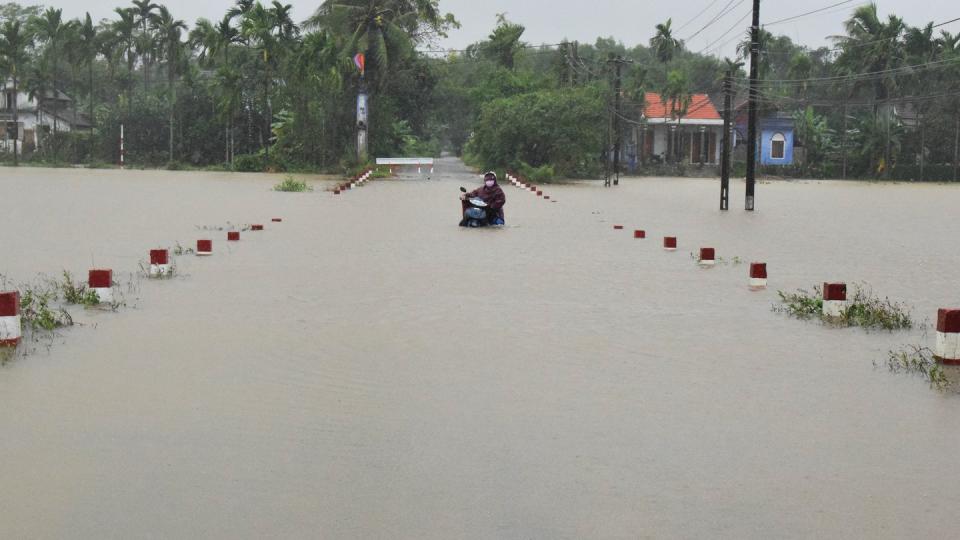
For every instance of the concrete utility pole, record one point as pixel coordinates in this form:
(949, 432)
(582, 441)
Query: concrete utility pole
(725, 157)
(362, 123)
(619, 61)
(752, 106)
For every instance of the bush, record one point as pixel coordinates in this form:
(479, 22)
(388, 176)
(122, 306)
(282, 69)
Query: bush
(291, 184)
(561, 128)
(249, 163)
(538, 175)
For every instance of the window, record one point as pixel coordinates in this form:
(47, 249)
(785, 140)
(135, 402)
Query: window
(777, 146)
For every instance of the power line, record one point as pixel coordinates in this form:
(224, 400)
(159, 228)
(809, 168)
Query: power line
(787, 19)
(731, 29)
(697, 16)
(723, 13)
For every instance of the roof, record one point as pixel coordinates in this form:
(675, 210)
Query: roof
(701, 108)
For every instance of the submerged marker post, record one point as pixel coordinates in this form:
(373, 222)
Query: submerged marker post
(947, 349)
(10, 332)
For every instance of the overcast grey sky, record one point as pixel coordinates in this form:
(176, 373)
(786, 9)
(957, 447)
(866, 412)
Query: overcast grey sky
(631, 22)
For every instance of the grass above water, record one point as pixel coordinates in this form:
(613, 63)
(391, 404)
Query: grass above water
(864, 309)
(917, 360)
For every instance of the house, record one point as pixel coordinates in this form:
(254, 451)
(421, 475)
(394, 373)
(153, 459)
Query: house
(776, 134)
(35, 118)
(668, 135)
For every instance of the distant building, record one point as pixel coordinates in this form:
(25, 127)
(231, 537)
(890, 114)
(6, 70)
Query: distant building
(697, 133)
(36, 118)
(776, 134)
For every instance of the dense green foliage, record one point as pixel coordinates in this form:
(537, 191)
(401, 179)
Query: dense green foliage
(257, 91)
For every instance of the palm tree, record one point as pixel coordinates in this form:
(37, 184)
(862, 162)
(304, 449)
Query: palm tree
(676, 95)
(257, 27)
(664, 45)
(872, 46)
(228, 90)
(49, 27)
(169, 31)
(124, 34)
(89, 47)
(228, 35)
(14, 41)
(146, 43)
(204, 38)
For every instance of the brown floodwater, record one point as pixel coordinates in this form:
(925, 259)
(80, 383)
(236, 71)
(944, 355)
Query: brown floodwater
(367, 369)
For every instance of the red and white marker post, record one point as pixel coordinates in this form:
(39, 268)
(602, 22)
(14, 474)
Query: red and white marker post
(834, 299)
(758, 276)
(204, 247)
(947, 349)
(639, 234)
(708, 257)
(256, 227)
(159, 262)
(100, 281)
(670, 243)
(10, 332)
(233, 236)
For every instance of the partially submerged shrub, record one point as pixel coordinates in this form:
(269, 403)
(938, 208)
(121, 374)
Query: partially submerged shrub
(36, 313)
(917, 360)
(863, 309)
(77, 293)
(291, 184)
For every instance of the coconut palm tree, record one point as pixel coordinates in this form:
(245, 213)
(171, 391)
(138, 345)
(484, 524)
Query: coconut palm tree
(872, 46)
(204, 39)
(169, 31)
(14, 41)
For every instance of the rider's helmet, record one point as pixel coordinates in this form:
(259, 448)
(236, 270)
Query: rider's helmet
(490, 175)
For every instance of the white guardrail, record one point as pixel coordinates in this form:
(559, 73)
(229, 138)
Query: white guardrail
(419, 162)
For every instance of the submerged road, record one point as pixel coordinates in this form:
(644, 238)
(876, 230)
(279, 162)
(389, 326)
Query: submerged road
(367, 369)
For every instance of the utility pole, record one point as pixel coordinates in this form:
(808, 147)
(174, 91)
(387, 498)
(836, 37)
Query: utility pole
(617, 131)
(725, 157)
(752, 107)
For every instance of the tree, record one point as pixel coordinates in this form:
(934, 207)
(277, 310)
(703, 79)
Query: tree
(89, 47)
(50, 28)
(504, 42)
(872, 46)
(257, 27)
(146, 44)
(663, 43)
(677, 97)
(168, 30)
(125, 39)
(14, 41)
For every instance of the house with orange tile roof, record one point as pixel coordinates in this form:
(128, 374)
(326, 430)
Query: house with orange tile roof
(670, 133)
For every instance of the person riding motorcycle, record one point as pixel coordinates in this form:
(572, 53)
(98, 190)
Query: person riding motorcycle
(492, 195)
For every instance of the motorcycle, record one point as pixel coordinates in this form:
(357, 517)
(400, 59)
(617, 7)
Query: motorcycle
(474, 211)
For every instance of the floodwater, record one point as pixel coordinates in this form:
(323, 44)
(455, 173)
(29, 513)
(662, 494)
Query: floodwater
(367, 369)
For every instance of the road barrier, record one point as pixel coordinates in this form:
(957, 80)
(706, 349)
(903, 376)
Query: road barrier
(159, 262)
(947, 348)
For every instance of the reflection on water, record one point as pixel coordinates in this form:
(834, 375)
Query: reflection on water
(366, 369)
